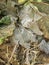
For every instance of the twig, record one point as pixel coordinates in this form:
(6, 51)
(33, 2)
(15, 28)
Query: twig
(2, 61)
(12, 53)
(14, 49)
(27, 57)
(7, 53)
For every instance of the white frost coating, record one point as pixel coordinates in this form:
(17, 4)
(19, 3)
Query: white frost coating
(29, 17)
(25, 22)
(29, 11)
(28, 23)
(34, 28)
(44, 46)
(24, 37)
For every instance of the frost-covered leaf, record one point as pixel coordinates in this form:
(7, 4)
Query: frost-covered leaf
(30, 11)
(24, 37)
(28, 16)
(34, 27)
(44, 46)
